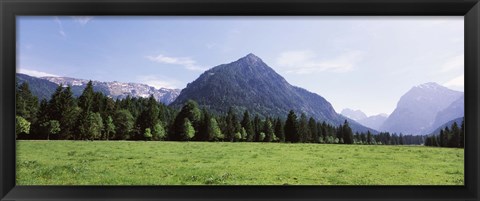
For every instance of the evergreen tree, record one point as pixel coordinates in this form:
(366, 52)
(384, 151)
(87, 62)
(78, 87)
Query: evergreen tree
(462, 134)
(124, 123)
(152, 112)
(247, 125)
(324, 131)
(203, 134)
(401, 139)
(291, 128)
(339, 134)
(85, 101)
(313, 134)
(303, 130)
(26, 103)
(279, 130)
(231, 122)
(257, 126)
(62, 107)
(347, 133)
(268, 130)
(69, 113)
(191, 112)
(369, 137)
(443, 138)
(42, 117)
(91, 127)
(455, 139)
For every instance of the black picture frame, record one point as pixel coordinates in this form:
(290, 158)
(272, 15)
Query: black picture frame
(470, 9)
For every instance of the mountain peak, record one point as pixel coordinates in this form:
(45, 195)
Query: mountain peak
(353, 114)
(430, 85)
(250, 59)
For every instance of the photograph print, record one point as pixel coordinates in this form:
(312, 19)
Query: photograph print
(224, 100)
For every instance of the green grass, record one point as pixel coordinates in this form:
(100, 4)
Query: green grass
(199, 163)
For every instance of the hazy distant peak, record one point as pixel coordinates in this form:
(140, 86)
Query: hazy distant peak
(430, 86)
(353, 114)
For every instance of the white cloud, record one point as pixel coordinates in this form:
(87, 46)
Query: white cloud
(60, 27)
(35, 73)
(457, 82)
(304, 62)
(82, 20)
(158, 82)
(456, 62)
(186, 62)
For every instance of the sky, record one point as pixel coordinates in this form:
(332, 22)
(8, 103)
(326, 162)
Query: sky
(364, 63)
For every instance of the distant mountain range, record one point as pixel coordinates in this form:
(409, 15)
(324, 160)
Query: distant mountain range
(250, 84)
(424, 108)
(374, 121)
(44, 87)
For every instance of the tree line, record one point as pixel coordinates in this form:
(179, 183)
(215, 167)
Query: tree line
(94, 116)
(452, 136)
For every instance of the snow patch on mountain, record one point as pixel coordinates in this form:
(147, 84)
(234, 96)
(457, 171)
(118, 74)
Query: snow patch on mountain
(120, 90)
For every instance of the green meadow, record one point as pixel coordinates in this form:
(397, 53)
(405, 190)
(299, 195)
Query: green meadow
(223, 163)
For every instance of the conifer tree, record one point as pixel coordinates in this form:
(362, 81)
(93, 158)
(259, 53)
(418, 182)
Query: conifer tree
(247, 125)
(203, 134)
(279, 130)
(257, 126)
(268, 130)
(347, 133)
(124, 123)
(313, 133)
(85, 101)
(26, 103)
(291, 128)
(303, 130)
(455, 139)
(189, 111)
(231, 122)
(369, 137)
(462, 134)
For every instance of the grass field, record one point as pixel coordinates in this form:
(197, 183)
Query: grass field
(199, 163)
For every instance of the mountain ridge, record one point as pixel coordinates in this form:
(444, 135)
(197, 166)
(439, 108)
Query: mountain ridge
(115, 90)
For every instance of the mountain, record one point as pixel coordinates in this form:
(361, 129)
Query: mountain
(453, 111)
(249, 84)
(45, 86)
(41, 88)
(447, 124)
(353, 114)
(417, 109)
(374, 121)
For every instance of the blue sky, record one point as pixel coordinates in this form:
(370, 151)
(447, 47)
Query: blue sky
(364, 63)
